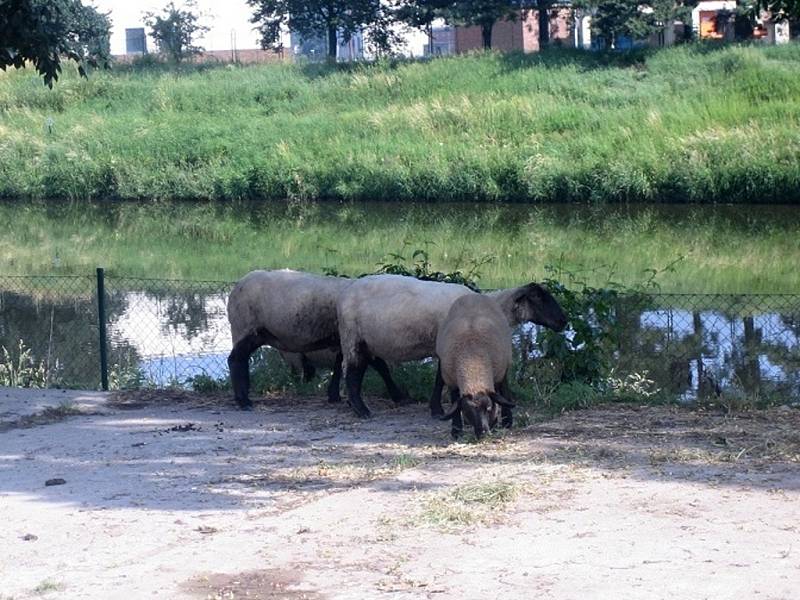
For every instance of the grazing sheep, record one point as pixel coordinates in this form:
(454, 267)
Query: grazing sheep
(392, 317)
(290, 311)
(530, 303)
(396, 318)
(473, 345)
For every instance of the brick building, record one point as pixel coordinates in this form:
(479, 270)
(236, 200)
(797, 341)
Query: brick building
(519, 35)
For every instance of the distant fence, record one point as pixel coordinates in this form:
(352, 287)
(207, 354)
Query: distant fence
(58, 331)
(232, 56)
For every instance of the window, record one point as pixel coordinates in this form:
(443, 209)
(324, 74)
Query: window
(135, 41)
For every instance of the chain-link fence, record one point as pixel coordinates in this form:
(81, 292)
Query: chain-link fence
(49, 332)
(167, 332)
(694, 345)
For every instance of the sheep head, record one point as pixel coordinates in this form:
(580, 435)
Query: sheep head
(481, 411)
(534, 303)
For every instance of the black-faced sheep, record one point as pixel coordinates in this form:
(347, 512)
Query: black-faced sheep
(530, 303)
(396, 318)
(473, 345)
(292, 312)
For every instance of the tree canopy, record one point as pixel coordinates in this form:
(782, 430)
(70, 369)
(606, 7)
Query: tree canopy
(421, 13)
(175, 30)
(312, 18)
(613, 19)
(43, 32)
(782, 9)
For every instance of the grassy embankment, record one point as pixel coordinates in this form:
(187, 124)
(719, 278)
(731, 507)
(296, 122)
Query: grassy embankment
(726, 249)
(687, 124)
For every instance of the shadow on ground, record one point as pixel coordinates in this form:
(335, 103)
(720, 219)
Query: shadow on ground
(180, 451)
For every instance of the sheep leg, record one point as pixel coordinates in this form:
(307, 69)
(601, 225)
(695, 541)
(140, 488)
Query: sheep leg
(239, 366)
(457, 428)
(397, 395)
(354, 377)
(308, 369)
(506, 417)
(336, 378)
(436, 395)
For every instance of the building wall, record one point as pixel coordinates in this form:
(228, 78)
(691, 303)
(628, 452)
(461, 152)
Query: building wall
(520, 35)
(529, 31)
(444, 41)
(778, 33)
(561, 26)
(707, 28)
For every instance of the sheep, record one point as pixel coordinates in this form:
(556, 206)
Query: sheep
(530, 303)
(473, 345)
(396, 318)
(291, 311)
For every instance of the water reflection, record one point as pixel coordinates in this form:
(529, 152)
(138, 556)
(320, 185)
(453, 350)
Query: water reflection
(56, 320)
(177, 335)
(700, 353)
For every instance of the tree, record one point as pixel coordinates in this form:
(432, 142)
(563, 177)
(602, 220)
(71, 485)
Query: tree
(635, 19)
(617, 18)
(781, 9)
(543, 9)
(310, 18)
(43, 32)
(175, 30)
(484, 14)
(421, 14)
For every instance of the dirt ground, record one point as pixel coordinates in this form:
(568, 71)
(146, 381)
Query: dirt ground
(158, 495)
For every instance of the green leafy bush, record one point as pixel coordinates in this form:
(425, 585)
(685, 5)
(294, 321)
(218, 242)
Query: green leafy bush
(18, 368)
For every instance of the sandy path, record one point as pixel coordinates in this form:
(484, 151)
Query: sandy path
(300, 500)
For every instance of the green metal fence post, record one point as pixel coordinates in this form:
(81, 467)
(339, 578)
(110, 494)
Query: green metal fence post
(101, 317)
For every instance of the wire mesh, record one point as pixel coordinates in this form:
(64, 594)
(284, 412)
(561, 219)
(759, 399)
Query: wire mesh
(166, 332)
(49, 332)
(175, 332)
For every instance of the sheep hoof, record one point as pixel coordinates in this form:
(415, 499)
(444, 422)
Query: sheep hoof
(363, 413)
(437, 412)
(334, 399)
(245, 404)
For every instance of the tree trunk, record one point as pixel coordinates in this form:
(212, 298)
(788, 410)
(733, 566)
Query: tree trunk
(544, 26)
(486, 33)
(332, 43)
(750, 374)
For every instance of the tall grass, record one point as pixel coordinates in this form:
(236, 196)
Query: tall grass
(686, 124)
(725, 249)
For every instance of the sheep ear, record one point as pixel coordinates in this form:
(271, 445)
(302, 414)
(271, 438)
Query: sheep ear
(454, 408)
(525, 301)
(502, 401)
